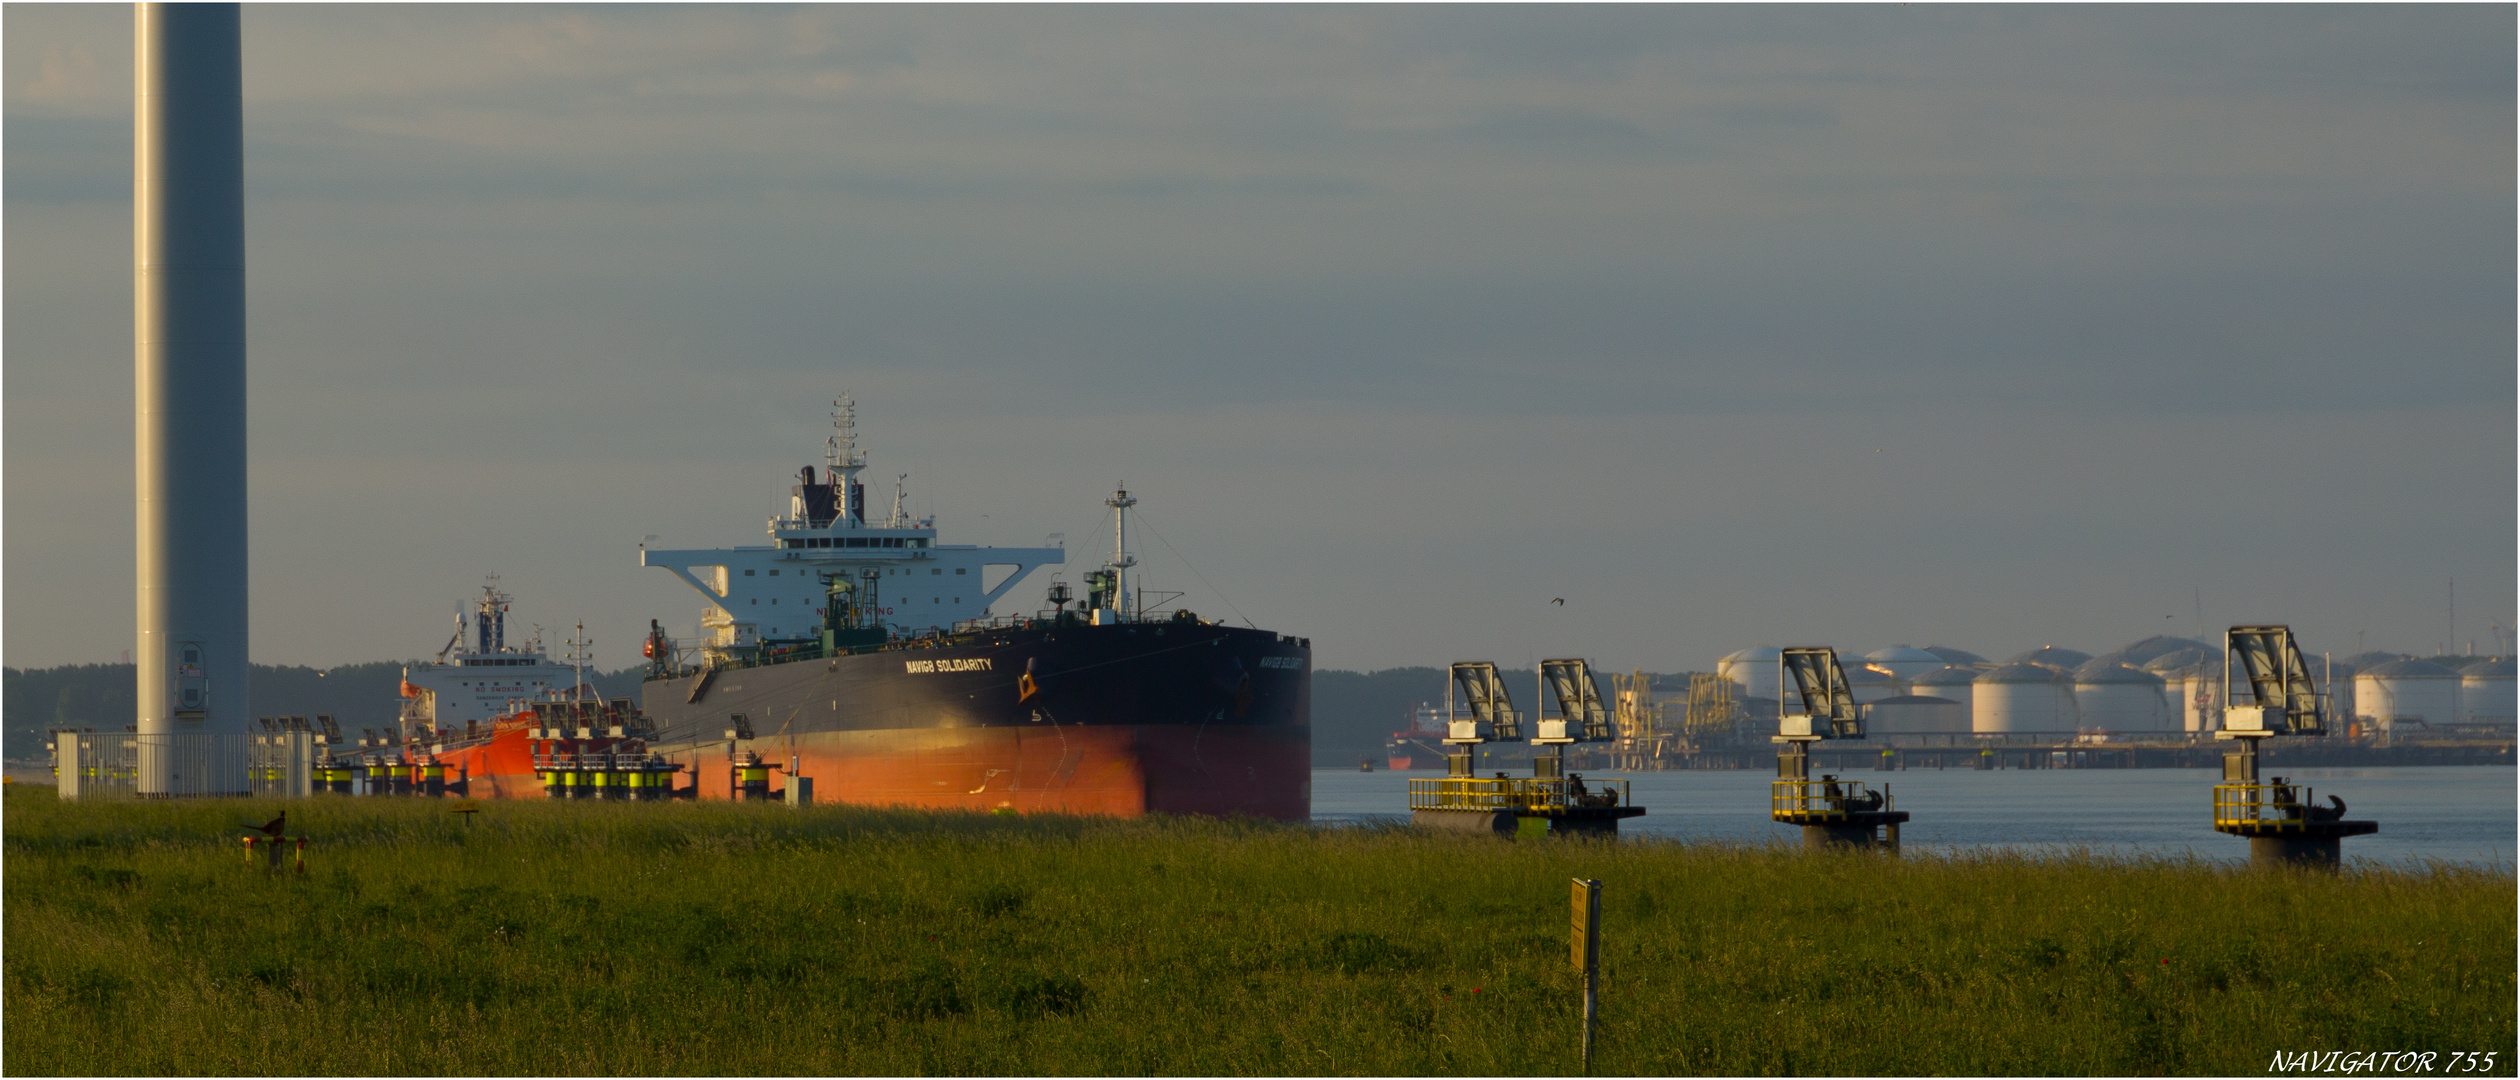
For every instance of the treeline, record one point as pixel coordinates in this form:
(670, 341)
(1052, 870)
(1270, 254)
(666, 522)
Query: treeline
(106, 697)
(1353, 711)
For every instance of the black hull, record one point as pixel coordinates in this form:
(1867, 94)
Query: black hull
(1132, 718)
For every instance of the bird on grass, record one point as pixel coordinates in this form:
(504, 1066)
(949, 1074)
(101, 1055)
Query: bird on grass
(273, 827)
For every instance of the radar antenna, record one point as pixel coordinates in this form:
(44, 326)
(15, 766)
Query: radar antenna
(841, 450)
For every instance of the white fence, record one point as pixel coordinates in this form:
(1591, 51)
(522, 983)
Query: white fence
(113, 765)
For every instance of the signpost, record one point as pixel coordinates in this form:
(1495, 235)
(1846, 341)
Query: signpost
(1586, 944)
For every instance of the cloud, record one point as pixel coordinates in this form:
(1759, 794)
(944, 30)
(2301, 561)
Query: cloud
(1382, 300)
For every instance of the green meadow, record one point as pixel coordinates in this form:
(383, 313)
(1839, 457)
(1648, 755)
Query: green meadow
(539, 938)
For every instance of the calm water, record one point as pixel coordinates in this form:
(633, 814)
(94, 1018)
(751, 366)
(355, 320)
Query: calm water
(2463, 814)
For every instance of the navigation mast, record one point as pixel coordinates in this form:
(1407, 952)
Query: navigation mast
(842, 460)
(1121, 560)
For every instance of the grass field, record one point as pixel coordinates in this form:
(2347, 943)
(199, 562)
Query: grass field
(754, 939)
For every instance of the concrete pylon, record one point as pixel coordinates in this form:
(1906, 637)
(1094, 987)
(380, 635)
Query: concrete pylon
(188, 276)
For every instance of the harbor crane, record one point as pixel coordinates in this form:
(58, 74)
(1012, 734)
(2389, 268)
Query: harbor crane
(1479, 709)
(2273, 697)
(1833, 813)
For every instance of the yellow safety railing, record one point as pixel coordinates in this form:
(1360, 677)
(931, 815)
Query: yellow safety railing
(1521, 796)
(1824, 800)
(2264, 806)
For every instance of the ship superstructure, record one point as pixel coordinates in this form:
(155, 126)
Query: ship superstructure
(775, 592)
(871, 659)
(477, 681)
(1421, 745)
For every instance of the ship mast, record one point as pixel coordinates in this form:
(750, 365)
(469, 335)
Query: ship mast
(578, 656)
(842, 460)
(1121, 560)
(490, 618)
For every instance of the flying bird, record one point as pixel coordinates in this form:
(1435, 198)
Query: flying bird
(1560, 601)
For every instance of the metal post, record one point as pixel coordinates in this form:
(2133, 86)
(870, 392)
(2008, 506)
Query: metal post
(1587, 949)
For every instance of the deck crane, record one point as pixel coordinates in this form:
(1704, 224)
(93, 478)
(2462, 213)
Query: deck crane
(1833, 813)
(1478, 709)
(2274, 696)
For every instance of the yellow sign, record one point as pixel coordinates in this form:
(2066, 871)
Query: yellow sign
(1587, 936)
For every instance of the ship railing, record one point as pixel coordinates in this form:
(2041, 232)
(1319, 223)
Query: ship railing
(1050, 620)
(2265, 806)
(597, 761)
(1518, 795)
(1825, 800)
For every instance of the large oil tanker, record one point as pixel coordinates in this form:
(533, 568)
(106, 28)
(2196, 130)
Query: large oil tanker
(870, 657)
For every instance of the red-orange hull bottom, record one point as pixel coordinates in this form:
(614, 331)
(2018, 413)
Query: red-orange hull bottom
(1123, 770)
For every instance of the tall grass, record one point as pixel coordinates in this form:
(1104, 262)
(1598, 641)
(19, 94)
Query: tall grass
(754, 939)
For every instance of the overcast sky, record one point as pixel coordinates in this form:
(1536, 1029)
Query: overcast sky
(1981, 326)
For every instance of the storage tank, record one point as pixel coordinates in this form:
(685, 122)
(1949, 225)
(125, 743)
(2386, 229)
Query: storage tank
(1961, 657)
(2202, 709)
(2019, 698)
(1904, 662)
(2140, 653)
(2487, 693)
(1910, 714)
(2173, 668)
(1951, 683)
(2403, 691)
(1753, 671)
(1870, 685)
(2051, 656)
(2113, 696)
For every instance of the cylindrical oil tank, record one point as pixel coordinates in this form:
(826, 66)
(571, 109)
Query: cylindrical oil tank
(1871, 684)
(1753, 671)
(1958, 657)
(2404, 691)
(2051, 656)
(2487, 693)
(1903, 662)
(2357, 664)
(2172, 669)
(2140, 653)
(2202, 709)
(2112, 696)
(2373, 659)
(2022, 698)
(1910, 714)
(1951, 683)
